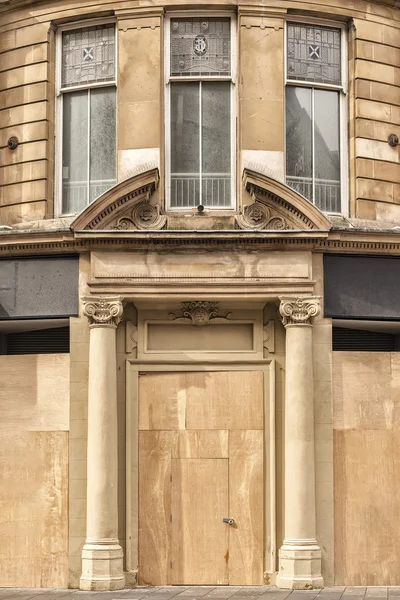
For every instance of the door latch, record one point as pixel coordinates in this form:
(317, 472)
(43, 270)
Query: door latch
(228, 520)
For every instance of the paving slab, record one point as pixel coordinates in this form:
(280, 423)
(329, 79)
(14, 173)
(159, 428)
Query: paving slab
(274, 593)
(205, 592)
(195, 591)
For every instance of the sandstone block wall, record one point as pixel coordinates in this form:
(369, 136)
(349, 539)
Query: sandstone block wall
(27, 107)
(374, 76)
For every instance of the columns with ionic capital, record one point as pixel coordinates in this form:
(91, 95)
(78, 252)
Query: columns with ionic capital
(102, 556)
(300, 555)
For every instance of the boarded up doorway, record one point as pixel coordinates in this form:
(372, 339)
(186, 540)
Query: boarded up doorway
(201, 447)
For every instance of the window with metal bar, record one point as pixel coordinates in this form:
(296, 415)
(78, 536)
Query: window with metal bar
(88, 109)
(314, 92)
(200, 82)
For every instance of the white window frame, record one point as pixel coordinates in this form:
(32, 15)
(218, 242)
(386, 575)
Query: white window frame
(343, 101)
(169, 79)
(59, 91)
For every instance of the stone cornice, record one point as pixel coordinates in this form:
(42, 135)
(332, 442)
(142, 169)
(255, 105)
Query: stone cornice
(36, 242)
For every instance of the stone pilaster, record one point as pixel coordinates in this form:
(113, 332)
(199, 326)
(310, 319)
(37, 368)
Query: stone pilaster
(102, 556)
(300, 555)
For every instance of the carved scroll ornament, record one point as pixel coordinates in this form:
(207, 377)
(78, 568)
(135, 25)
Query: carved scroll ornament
(199, 312)
(259, 216)
(103, 311)
(299, 311)
(143, 216)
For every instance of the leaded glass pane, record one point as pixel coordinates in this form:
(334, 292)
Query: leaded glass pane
(201, 46)
(88, 55)
(313, 53)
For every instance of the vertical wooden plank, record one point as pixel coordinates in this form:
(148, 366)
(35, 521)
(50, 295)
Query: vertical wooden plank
(246, 489)
(199, 537)
(154, 507)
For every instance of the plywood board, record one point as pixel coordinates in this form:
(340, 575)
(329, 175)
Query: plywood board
(34, 392)
(366, 411)
(201, 444)
(246, 484)
(162, 401)
(367, 508)
(199, 536)
(34, 509)
(201, 400)
(154, 507)
(224, 400)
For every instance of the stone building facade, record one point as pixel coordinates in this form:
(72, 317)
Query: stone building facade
(199, 221)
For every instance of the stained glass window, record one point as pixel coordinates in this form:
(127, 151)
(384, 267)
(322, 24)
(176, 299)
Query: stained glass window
(200, 46)
(88, 55)
(313, 53)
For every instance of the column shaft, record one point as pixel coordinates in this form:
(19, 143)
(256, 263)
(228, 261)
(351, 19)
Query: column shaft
(102, 556)
(299, 435)
(300, 555)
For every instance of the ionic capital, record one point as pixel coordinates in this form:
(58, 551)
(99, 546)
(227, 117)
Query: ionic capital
(300, 310)
(106, 312)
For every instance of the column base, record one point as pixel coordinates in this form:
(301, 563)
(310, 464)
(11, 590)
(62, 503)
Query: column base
(300, 565)
(102, 567)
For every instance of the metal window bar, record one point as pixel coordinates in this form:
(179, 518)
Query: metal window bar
(74, 193)
(326, 195)
(185, 189)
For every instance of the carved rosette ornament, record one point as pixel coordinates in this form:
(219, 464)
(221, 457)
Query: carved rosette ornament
(259, 216)
(300, 310)
(143, 216)
(103, 312)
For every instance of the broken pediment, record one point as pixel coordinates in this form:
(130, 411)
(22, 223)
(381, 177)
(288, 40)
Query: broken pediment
(278, 207)
(126, 206)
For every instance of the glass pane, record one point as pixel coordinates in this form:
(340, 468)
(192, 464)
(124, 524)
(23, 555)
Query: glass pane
(102, 141)
(185, 144)
(313, 53)
(75, 151)
(327, 150)
(88, 55)
(201, 46)
(216, 143)
(299, 140)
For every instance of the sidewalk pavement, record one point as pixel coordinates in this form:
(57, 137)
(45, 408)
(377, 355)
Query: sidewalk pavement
(206, 593)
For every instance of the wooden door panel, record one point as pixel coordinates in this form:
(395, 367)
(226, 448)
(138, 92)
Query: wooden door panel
(154, 506)
(225, 400)
(199, 537)
(201, 459)
(204, 443)
(246, 488)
